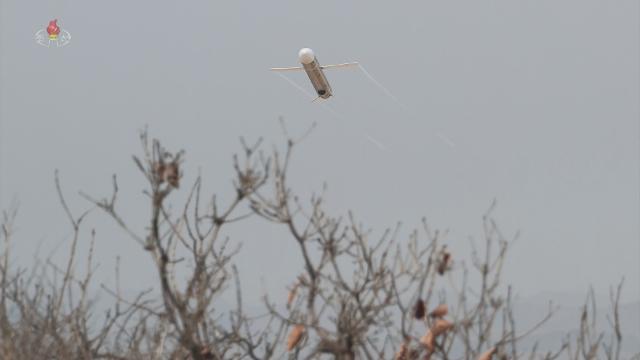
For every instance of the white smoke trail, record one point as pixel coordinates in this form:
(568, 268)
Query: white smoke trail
(445, 139)
(397, 101)
(296, 85)
(331, 110)
(344, 120)
(376, 142)
(383, 88)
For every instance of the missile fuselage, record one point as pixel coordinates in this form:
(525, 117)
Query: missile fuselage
(317, 78)
(313, 69)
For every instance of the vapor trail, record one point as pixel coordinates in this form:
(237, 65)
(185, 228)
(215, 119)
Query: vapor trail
(332, 111)
(344, 120)
(296, 85)
(397, 101)
(382, 87)
(376, 142)
(446, 139)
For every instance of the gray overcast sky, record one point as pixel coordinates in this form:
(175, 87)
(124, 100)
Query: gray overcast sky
(539, 97)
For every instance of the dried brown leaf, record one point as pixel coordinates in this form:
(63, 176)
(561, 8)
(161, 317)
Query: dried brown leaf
(172, 174)
(428, 341)
(440, 311)
(440, 326)
(488, 355)
(292, 295)
(295, 336)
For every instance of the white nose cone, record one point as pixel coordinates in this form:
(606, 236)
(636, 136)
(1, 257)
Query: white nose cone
(306, 56)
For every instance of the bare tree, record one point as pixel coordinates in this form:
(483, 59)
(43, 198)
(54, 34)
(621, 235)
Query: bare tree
(358, 295)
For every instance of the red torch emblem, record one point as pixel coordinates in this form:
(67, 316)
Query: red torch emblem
(52, 35)
(53, 30)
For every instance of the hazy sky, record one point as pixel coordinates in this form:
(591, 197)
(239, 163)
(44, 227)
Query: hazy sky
(539, 97)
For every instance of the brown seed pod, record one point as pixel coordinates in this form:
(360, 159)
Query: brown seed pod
(440, 311)
(488, 355)
(295, 336)
(444, 263)
(419, 309)
(440, 326)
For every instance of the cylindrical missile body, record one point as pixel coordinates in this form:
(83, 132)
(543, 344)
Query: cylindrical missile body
(318, 79)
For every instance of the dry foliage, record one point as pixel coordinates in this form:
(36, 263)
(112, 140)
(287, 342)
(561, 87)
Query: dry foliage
(359, 296)
(294, 337)
(487, 355)
(440, 311)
